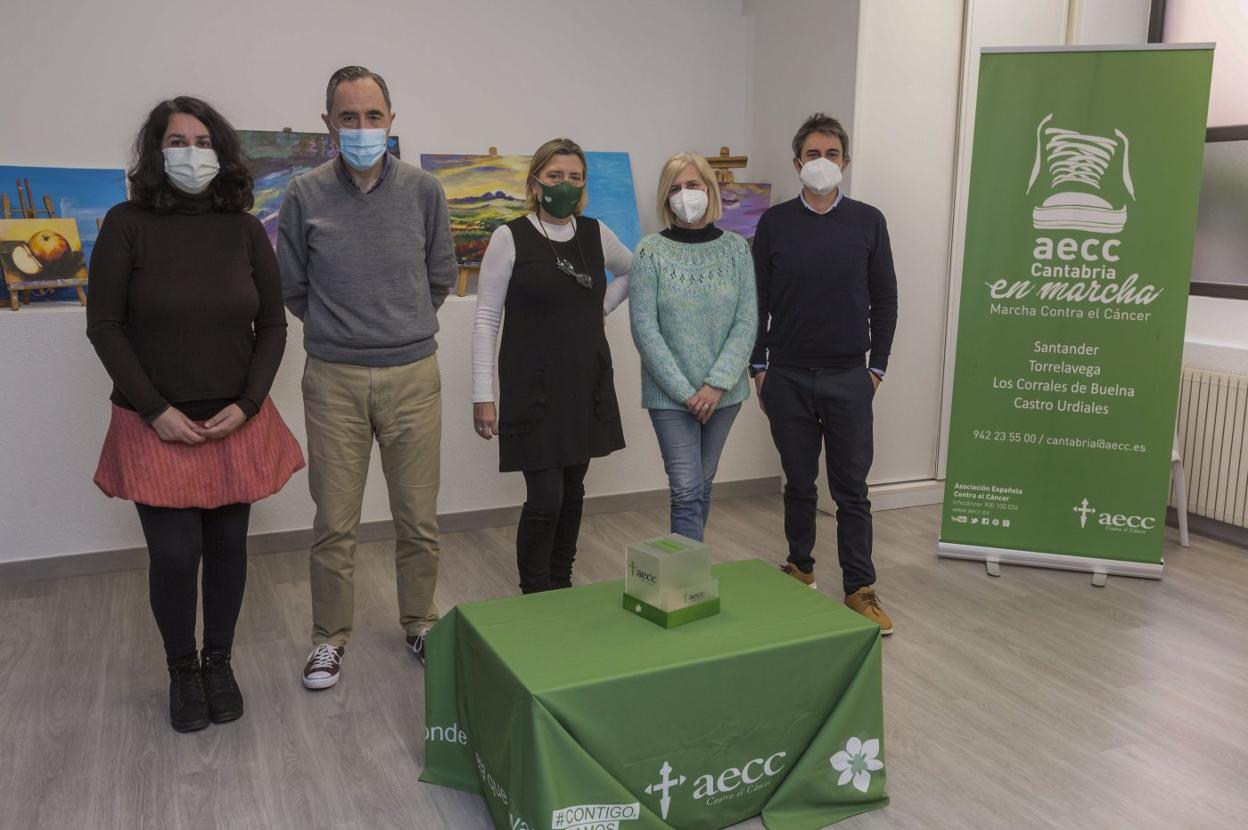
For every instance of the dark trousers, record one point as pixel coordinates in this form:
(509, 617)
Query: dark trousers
(549, 525)
(832, 407)
(177, 539)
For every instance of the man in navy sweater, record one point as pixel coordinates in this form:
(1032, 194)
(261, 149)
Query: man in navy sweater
(827, 297)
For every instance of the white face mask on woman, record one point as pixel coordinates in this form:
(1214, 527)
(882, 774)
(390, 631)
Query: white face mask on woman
(689, 204)
(821, 176)
(191, 169)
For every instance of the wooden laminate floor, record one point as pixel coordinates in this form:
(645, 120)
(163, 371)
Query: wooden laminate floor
(1030, 701)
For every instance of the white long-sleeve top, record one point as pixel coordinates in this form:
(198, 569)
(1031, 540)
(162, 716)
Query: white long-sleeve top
(495, 274)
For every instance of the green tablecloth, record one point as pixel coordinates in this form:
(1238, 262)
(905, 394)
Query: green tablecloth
(568, 713)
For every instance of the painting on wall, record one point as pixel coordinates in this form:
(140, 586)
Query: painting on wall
(743, 206)
(277, 156)
(81, 194)
(612, 197)
(484, 192)
(41, 254)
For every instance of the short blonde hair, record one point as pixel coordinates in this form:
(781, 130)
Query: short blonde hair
(543, 157)
(673, 168)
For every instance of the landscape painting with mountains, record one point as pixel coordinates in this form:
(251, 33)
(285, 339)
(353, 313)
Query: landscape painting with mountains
(482, 193)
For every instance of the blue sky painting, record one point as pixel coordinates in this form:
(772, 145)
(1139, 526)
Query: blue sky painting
(80, 193)
(612, 198)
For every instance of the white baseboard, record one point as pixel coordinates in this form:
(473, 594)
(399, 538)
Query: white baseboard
(894, 495)
(907, 494)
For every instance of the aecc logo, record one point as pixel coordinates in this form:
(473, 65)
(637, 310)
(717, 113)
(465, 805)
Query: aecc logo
(1113, 521)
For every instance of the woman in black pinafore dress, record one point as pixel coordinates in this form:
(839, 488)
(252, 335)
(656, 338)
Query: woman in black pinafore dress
(557, 403)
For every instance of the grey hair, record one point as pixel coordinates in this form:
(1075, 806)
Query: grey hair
(352, 73)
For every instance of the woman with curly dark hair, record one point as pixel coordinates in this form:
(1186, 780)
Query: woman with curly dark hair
(186, 315)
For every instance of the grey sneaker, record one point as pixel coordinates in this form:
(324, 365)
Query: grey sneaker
(324, 666)
(416, 642)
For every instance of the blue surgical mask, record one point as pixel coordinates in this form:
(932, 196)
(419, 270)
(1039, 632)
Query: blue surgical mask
(361, 149)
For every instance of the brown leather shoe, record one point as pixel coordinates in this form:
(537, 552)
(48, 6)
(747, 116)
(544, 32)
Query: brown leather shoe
(800, 575)
(865, 602)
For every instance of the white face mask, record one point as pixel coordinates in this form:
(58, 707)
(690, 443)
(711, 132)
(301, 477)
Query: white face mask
(821, 176)
(191, 169)
(689, 204)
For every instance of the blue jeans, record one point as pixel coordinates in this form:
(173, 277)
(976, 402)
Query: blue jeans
(691, 453)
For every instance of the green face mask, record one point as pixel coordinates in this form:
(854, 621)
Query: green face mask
(560, 200)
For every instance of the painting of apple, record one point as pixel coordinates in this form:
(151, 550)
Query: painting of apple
(80, 196)
(49, 247)
(41, 255)
(25, 261)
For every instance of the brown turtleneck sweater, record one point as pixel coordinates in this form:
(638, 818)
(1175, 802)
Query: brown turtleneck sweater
(185, 309)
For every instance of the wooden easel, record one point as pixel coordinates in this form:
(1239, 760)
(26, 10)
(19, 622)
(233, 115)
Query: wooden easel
(724, 163)
(466, 271)
(27, 203)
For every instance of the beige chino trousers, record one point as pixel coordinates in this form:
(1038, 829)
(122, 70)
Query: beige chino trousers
(346, 407)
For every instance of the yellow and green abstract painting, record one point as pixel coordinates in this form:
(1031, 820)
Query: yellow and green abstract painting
(484, 192)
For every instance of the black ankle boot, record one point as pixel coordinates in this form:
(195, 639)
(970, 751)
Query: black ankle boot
(188, 708)
(225, 701)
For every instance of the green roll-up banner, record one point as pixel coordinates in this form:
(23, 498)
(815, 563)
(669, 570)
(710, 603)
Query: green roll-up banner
(1084, 184)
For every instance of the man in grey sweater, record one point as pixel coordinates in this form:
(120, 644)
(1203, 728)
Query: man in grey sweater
(364, 245)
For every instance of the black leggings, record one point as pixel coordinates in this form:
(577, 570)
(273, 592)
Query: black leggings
(176, 541)
(549, 525)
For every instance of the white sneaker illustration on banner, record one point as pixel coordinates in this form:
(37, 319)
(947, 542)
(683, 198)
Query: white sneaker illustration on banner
(856, 762)
(1077, 163)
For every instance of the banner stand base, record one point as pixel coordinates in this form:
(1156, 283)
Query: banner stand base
(1101, 569)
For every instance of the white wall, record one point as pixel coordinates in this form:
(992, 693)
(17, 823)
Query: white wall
(905, 116)
(804, 56)
(1109, 21)
(57, 406)
(463, 76)
(1224, 22)
(1217, 335)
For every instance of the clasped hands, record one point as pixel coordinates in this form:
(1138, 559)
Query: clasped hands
(702, 405)
(173, 426)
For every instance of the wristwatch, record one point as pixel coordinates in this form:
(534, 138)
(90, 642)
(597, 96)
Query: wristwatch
(754, 369)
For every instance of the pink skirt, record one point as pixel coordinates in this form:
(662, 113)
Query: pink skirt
(253, 462)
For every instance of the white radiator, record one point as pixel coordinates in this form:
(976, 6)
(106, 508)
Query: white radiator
(1213, 441)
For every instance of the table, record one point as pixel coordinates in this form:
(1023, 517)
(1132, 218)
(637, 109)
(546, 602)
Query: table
(568, 713)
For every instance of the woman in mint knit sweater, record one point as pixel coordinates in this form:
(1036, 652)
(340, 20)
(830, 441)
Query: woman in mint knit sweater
(694, 315)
